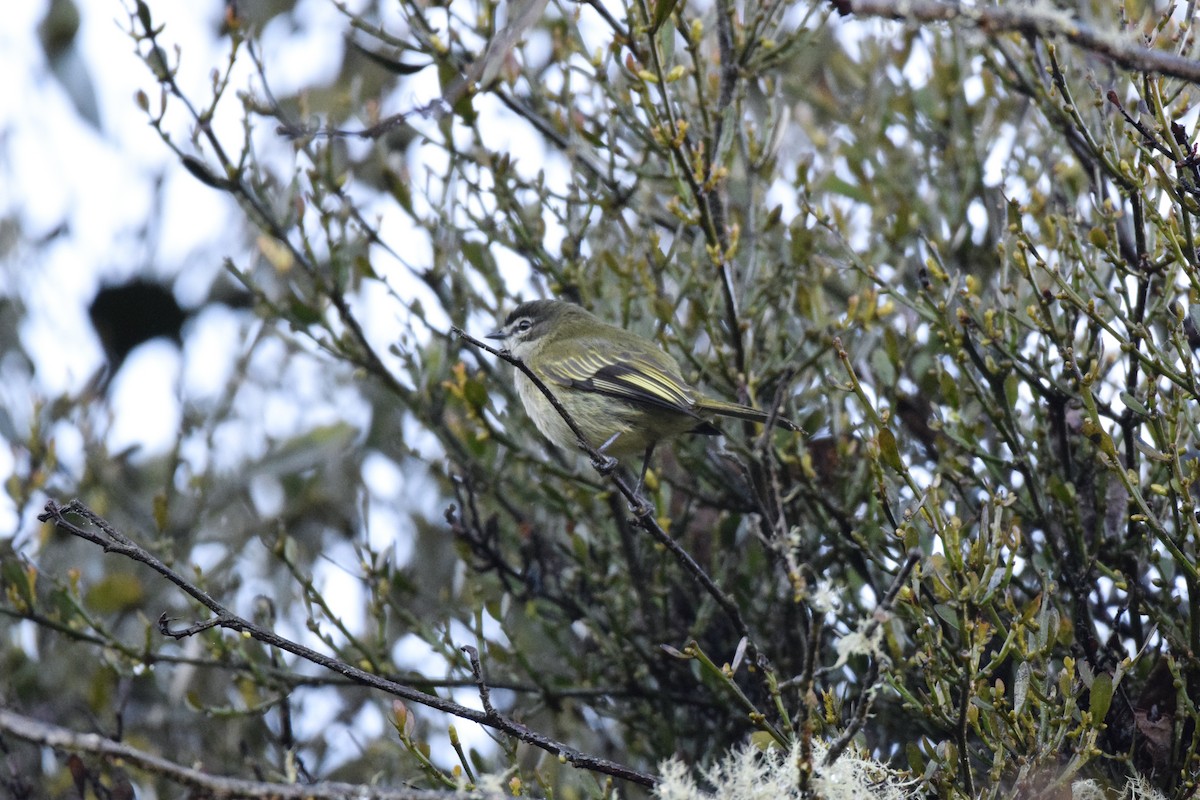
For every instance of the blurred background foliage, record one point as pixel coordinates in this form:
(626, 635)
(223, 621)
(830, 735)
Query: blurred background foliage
(964, 262)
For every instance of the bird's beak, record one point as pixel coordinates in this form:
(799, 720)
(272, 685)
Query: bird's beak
(496, 334)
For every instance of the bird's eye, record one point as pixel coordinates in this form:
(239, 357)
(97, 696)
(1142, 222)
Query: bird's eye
(524, 324)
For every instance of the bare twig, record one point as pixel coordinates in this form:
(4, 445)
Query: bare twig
(114, 541)
(867, 696)
(206, 784)
(485, 694)
(1041, 20)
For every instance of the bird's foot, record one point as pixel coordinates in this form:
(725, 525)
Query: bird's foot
(604, 464)
(639, 505)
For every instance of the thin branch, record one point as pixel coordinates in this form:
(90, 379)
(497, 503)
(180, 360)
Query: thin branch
(867, 696)
(209, 785)
(283, 675)
(114, 541)
(485, 694)
(1040, 20)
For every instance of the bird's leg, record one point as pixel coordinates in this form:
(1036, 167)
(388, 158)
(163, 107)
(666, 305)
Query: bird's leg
(606, 463)
(645, 465)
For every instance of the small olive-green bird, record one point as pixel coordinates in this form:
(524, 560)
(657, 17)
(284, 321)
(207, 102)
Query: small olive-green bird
(623, 391)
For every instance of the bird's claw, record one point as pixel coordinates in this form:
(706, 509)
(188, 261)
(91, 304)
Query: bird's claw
(604, 464)
(640, 507)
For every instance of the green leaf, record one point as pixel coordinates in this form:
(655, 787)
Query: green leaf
(451, 80)
(949, 389)
(200, 171)
(802, 243)
(883, 366)
(1014, 214)
(888, 450)
(1021, 686)
(475, 392)
(17, 578)
(1102, 694)
(161, 512)
(840, 186)
(143, 13)
(916, 760)
(1133, 405)
(479, 256)
(948, 614)
(1012, 389)
(115, 593)
(304, 314)
(662, 12)
(399, 189)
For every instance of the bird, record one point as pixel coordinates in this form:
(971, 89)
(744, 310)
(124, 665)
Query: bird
(623, 391)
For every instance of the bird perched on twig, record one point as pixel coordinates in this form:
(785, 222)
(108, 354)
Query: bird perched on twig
(622, 391)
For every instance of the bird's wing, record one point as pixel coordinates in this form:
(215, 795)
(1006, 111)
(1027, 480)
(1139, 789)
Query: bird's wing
(634, 379)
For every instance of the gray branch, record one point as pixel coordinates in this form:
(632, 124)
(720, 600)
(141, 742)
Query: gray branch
(1042, 21)
(41, 733)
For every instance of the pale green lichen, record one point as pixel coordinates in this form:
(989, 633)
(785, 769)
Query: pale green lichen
(749, 773)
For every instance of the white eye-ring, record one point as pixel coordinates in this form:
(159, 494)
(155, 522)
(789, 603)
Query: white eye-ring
(524, 324)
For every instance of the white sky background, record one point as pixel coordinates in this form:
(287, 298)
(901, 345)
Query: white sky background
(58, 170)
(99, 187)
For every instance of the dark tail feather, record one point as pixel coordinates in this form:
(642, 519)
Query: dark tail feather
(744, 412)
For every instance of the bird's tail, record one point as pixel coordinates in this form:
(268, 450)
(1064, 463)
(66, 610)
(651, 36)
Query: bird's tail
(740, 411)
